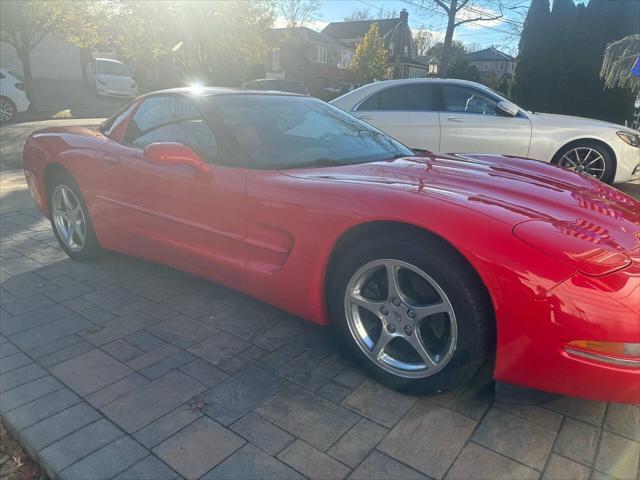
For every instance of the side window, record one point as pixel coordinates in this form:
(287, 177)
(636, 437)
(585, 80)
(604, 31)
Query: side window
(412, 98)
(171, 119)
(109, 126)
(460, 99)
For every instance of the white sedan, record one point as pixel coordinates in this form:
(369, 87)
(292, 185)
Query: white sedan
(111, 77)
(446, 115)
(13, 98)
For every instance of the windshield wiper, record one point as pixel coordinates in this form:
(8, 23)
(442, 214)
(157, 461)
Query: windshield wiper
(319, 162)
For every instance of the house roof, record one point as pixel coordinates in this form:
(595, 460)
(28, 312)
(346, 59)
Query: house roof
(489, 54)
(305, 35)
(358, 29)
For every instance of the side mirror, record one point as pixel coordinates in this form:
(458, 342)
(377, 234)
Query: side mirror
(172, 153)
(507, 109)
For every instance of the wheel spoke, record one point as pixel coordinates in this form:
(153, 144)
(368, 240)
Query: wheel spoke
(428, 310)
(65, 199)
(59, 213)
(393, 286)
(79, 229)
(371, 305)
(381, 343)
(418, 345)
(70, 229)
(573, 164)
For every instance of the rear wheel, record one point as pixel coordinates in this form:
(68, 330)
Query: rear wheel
(7, 109)
(412, 313)
(70, 219)
(588, 158)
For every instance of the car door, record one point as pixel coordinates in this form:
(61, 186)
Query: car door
(469, 123)
(175, 214)
(406, 113)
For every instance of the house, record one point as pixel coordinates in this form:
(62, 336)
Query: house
(492, 62)
(319, 60)
(397, 37)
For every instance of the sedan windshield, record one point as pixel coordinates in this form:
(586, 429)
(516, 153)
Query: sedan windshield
(113, 68)
(279, 132)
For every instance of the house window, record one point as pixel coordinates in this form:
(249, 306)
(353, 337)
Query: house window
(345, 59)
(512, 67)
(501, 66)
(485, 66)
(321, 54)
(275, 59)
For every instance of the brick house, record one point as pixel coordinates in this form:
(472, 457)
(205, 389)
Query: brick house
(493, 62)
(319, 60)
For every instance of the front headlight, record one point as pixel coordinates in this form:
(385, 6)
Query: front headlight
(629, 138)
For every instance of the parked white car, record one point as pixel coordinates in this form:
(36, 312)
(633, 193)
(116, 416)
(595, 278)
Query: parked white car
(111, 77)
(13, 98)
(457, 116)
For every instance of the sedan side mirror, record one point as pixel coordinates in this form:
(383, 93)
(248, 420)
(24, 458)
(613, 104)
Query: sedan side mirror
(507, 109)
(173, 153)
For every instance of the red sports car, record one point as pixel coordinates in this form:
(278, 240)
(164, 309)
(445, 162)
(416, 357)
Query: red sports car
(423, 264)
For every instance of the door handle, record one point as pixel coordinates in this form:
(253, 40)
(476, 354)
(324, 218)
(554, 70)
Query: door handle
(455, 119)
(111, 160)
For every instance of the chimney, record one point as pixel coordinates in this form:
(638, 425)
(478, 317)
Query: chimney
(404, 16)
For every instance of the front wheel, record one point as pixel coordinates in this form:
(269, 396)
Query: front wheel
(588, 158)
(7, 109)
(71, 221)
(412, 312)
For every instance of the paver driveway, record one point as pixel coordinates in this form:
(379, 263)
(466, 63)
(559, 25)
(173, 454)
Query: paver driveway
(127, 369)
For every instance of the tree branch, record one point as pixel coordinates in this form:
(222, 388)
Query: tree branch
(481, 18)
(443, 6)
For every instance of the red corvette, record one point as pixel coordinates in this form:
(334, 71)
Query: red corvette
(424, 264)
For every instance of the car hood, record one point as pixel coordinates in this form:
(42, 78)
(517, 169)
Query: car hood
(552, 119)
(508, 188)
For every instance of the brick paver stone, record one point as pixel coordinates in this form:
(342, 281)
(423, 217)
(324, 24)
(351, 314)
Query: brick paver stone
(50, 331)
(560, 468)
(90, 371)
(388, 407)
(311, 418)
(167, 425)
(252, 463)
(623, 420)
(219, 347)
(79, 444)
(106, 462)
(516, 438)
(28, 393)
(20, 376)
(41, 408)
(228, 401)
(437, 436)
(149, 468)
(588, 411)
(577, 441)
(618, 456)
(198, 448)
(378, 466)
(147, 403)
(356, 444)
(314, 464)
(262, 433)
(481, 464)
(57, 426)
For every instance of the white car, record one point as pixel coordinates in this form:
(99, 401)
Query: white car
(13, 98)
(457, 116)
(111, 77)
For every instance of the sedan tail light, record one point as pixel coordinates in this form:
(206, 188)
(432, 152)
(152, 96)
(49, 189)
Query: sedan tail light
(19, 86)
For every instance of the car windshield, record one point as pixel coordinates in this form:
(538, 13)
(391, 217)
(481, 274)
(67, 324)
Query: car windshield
(278, 132)
(113, 68)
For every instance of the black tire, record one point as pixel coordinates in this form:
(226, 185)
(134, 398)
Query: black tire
(9, 108)
(608, 159)
(91, 248)
(456, 278)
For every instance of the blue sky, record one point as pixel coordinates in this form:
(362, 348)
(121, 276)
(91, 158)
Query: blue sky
(424, 14)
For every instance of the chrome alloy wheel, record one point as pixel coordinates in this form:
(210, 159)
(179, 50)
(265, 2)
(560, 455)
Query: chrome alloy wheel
(6, 110)
(400, 318)
(584, 160)
(68, 218)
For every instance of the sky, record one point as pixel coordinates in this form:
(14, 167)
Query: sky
(424, 14)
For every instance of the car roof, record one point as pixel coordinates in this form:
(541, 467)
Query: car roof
(222, 91)
(108, 60)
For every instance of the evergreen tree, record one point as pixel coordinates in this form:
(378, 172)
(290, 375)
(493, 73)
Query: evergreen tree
(534, 48)
(370, 60)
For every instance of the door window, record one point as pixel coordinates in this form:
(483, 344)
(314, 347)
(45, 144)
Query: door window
(411, 97)
(171, 119)
(461, 99)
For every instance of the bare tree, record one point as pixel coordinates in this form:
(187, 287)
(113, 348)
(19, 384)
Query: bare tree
(458, 13)
(298, 13)
(360, 14)
(423, 40)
